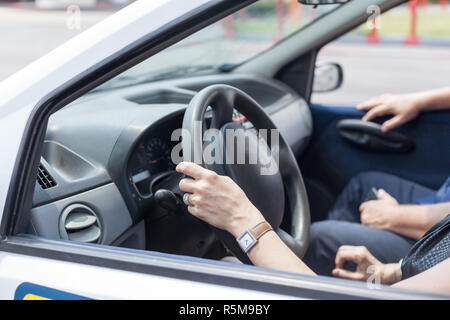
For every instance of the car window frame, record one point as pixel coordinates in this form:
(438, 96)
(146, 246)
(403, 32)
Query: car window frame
(19, 199)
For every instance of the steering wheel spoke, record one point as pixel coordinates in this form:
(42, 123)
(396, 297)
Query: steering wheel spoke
(222, 109)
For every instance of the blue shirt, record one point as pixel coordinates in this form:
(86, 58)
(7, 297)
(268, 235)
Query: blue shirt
(442, 195)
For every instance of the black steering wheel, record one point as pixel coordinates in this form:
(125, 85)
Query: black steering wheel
(269, 191)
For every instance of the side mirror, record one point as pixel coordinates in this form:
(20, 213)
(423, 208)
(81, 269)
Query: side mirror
(327, 77)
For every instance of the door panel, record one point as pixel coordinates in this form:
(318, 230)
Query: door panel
(54, 279)
(331, 161)
(70, 270)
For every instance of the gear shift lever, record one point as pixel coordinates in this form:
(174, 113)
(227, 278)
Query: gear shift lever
(168, 200)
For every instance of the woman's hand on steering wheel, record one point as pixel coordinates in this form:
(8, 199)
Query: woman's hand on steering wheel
(217, 200)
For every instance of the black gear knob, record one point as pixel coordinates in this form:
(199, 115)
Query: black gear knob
(168, 200)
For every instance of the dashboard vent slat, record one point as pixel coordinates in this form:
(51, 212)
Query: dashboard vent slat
(44, 178)
(76, 221)
(91, 235)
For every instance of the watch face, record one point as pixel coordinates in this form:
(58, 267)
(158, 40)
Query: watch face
(246, 241)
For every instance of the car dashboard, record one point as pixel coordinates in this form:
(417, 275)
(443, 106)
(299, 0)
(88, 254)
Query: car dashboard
(102, 153)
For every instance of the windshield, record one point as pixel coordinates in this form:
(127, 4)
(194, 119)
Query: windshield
(225, 43)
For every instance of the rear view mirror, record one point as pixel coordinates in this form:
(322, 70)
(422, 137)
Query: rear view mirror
(327, 77)
(321, 2)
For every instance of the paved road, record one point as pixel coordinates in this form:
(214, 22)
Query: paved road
(368, 69)
(26, 35)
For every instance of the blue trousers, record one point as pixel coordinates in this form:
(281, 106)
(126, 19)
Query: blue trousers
(344, 227)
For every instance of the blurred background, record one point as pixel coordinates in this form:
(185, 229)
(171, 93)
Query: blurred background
(30, 29)
(408, 51)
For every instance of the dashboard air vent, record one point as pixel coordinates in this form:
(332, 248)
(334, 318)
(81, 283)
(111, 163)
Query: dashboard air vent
(80, 223)
(44, 178)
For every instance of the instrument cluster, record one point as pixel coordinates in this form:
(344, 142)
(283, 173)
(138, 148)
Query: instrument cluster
(152, 157)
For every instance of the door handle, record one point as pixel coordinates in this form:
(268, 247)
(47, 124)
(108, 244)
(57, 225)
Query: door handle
(368, 135)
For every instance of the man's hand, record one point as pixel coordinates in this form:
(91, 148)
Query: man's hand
(403, 107)
(379, 213)
(366, 265)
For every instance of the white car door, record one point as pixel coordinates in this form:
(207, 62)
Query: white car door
(35, 268)
(40, 269)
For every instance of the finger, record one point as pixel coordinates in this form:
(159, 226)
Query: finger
(194, 211)
(378, 111)
(347, 248)
(367, 219)
(367, 204)
(363, 206)
(339, 260)
(392, 123)
(382, 194)
(366, 106)
(188, 185)
(364, 218)
(369, 104)
(192, 170)
(342, 273)
(344, 255)
(195, 200)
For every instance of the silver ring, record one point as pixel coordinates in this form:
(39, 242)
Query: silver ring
(186, 199)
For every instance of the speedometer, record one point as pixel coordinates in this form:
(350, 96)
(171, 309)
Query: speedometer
(158, 155)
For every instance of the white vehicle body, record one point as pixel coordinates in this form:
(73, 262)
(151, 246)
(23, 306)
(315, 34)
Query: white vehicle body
(120, 273)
